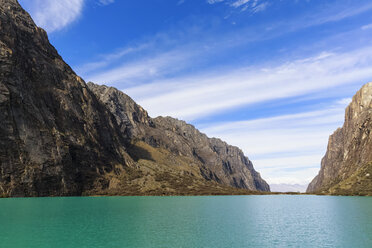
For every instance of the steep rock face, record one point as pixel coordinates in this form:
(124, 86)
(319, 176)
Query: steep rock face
(60, 137)
(56, 138)
(349, 148)
(217, 160)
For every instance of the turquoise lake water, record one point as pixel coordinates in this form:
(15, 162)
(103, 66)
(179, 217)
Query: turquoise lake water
(210, 221)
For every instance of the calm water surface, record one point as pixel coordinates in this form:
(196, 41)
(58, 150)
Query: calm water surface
(212, 221)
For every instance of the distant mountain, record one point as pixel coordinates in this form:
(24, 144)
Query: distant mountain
(288, 188)
(347, 166)
(61, 136)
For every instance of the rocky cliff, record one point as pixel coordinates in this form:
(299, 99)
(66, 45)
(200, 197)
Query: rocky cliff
(56, 138)
(59, 136)
(217, 161)
(346, 167)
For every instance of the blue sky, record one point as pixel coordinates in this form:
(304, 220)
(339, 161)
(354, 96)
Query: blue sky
(270, 76)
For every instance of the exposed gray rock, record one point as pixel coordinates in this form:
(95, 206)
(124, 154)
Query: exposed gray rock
(56, 138)
(349, 147)
(219, 161)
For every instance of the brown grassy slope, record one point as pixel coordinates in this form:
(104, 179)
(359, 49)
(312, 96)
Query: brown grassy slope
(160, 172)
(359, 183)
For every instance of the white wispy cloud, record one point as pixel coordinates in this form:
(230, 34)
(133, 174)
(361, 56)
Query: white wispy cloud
(134, 72)
(333, 13)
(296, 128)
(180, 2)
(200, 95)
(111, 68)
(368, 26)
(260, 7)
(109, 59)
(345, 101)
(287, 148)
(214, 1)
(54, 15)
(239, 3)
(106, 2)
(253, 5)
(336, 14)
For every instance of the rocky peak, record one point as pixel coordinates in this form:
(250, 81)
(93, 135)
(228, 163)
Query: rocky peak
(52, 128)
(61, 136)
(361, 104)
(128, 114)
(350, 147)
(217, 160)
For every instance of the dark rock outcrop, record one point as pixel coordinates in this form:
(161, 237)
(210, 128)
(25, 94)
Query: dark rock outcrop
(56, 138)
(349, 151)
(60, 137)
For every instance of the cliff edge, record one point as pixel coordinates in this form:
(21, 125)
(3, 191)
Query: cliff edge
(346, 166)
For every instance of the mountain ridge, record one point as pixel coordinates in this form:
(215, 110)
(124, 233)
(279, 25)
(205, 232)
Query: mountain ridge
(60, 136)
(182, 139)
(349, 150)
